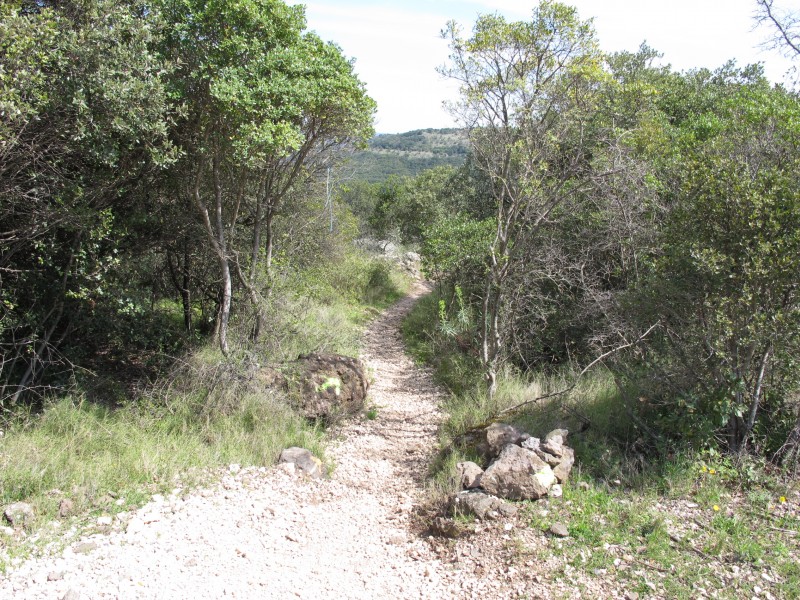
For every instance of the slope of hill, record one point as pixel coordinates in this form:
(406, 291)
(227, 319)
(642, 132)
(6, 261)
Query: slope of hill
(410, 153)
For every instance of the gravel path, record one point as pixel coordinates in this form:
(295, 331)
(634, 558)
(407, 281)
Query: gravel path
(266, 533)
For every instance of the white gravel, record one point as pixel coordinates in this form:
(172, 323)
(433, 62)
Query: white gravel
(268, 533)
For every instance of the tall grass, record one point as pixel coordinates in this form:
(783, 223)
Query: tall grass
(206, 412)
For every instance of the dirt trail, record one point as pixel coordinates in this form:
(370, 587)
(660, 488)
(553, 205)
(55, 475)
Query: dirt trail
(265, 533)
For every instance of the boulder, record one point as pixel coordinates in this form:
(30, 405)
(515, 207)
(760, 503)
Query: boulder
(497, 436)
(469, 475)
(480, 505)
(327, 386)
(563, 468)
(303, 460)
(548, 458)
(18, 514)
(532, 443)
(560, 433)
(518, 474)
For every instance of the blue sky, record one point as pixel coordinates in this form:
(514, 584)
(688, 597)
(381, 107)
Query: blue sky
(396, 43)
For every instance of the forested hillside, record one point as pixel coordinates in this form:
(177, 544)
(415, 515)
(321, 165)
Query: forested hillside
(410, 153)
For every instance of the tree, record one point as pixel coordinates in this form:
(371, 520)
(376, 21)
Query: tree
(786, 25)
(84, 122)
(526, 89)
(265, 106)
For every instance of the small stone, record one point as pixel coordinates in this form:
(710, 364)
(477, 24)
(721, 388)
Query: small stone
(234, 468)
(508, 526)
(18, 514)
(583, 485)
(631, 596)
(65, 508)
(84, 547)
(303, 460)
(556, 491)
(55, 576)
(559, 530)
(71, 595)
(104, 521)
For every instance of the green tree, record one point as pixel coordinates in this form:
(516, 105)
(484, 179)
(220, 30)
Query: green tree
(84, 122)
(526, 87)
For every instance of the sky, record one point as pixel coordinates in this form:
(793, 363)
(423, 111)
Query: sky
(396, 44)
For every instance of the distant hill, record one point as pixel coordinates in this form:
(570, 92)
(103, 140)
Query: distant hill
(410, 153)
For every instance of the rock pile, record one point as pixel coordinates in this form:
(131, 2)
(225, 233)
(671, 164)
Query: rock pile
(521, 467)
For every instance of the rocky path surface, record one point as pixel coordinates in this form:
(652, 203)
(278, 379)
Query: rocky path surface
(268, 533)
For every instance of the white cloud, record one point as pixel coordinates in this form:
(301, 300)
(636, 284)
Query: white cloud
(397, 46)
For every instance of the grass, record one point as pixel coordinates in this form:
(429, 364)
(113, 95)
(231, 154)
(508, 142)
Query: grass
(206, 413)
(679, 524)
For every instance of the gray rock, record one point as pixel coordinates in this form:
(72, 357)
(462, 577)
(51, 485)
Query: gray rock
(532, 443)
(550, 459)
(71, 595)
(508, 510)
(470, 475)
(563, 468)
(302, 459)
(478, 504)
(562, 433)
(497, 436)
(55, 576)
(84, 547)
(518, 474)
(559, 530)
(554, 446)
(18, 514)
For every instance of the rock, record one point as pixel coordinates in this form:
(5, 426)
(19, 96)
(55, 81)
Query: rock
(71, 595)
(563, 468)
(84, 547)
(584, 486)
(556, 491)
(561, 433)
(559, 530)
(55, 576)
(65, 508)
(18, 514)
(328, 386)
(532, 443)
(554, 446)
(518, 474)
(302, 459)
(497, 436)
(479, 505)
(388, 248)
(104, 521)
(550, 459)
(508, 510)
(470, 474)
(446, 527)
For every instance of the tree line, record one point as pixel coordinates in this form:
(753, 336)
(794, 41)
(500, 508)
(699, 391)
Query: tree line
(615, 211)
(148, 149)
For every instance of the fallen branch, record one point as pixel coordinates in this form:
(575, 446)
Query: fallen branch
(518, 407)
